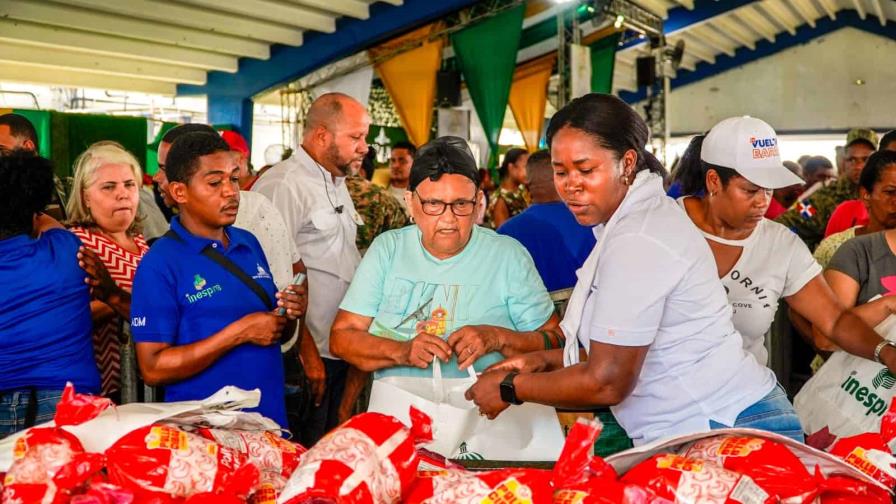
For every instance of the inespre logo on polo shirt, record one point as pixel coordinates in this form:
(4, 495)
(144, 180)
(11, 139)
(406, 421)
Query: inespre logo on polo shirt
(202, 292)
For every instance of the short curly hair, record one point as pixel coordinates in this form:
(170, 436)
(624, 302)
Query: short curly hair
(183, 158)
(26, 188)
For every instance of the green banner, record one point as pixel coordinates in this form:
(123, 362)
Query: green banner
(603, 60)
(72, 134)
(486, 53)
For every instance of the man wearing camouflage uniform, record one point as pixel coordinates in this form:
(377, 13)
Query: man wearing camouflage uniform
(376, 206)
(809, 217)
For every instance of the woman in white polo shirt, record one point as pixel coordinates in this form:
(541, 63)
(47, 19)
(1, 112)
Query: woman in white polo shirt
(648, 326)
(758, 260)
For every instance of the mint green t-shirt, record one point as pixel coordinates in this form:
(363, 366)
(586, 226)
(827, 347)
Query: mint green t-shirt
(492, 281)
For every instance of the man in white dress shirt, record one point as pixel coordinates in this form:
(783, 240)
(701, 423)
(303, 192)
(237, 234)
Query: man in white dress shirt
(309, 190)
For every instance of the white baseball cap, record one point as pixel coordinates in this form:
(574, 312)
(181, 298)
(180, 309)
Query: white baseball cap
(748, 146)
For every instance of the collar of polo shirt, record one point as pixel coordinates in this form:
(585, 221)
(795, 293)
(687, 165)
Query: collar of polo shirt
(198, 243)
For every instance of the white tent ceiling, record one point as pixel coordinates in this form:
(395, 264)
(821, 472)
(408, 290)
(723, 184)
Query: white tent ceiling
(151, 46)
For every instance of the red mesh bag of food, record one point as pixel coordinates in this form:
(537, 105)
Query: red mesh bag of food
(581, 478)
(458, 486)
(104, 493)
(49, 464)
(604, 491)
(770, 464)
(687, 480)
(75, 409)
(577, 463)
(840, 489)
(870, 452)
(161, 459)
(234, 491)
(844, 490)
(369, 459)
(274, 456)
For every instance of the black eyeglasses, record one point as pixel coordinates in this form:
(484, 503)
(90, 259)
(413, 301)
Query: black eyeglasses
(460, 208)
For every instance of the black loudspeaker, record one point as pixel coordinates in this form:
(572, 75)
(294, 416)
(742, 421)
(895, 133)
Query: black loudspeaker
(448, 88)
(646, 68)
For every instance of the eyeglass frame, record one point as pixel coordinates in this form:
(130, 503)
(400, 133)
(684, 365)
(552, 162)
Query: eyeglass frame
(445, 205)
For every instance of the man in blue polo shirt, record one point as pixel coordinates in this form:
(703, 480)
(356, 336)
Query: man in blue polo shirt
(203, 310)
(557, 243)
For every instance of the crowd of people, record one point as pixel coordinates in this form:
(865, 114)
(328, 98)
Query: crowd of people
(587, 278)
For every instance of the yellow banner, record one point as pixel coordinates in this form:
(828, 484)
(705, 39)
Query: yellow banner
(410, 79)
(528, 98)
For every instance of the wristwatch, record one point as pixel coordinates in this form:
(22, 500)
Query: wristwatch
(877, 351)
(508, 392)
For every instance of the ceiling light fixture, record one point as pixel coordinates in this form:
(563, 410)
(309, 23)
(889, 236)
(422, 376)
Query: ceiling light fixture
(620, 20)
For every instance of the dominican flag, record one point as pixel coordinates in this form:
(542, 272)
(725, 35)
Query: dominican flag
(806, 209)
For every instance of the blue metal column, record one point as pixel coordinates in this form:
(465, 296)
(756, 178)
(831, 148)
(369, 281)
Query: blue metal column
(235, 111)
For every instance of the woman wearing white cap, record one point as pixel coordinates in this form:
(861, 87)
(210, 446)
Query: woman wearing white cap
(760, 261)
(648, 327)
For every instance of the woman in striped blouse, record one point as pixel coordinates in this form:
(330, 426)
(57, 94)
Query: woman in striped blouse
(102, 211)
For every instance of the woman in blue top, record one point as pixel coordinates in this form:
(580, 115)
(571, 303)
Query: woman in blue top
(45, 325)
(648, 325)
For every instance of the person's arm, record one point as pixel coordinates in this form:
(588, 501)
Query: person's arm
(637, 275)
(43, 222)
(605, 379)
(533, 362)
(350, 341)
(103, 287)
(355, 381)
(162, 363)
(528, 307)
(310, 358)
(500, 212)
(100, 312)
(312, 363)
(817, 302)
(810, 334)
(846, 289)
(155, 322)
(470, 343)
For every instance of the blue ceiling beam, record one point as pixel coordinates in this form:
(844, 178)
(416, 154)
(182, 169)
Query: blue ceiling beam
(764, 49)
(287, 64)
(681, 18)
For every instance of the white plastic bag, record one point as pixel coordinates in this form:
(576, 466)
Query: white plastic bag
(848, 396)
(528, 432)
(100, 433)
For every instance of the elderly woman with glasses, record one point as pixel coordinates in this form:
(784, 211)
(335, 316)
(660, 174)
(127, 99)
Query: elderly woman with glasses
(444, 288)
